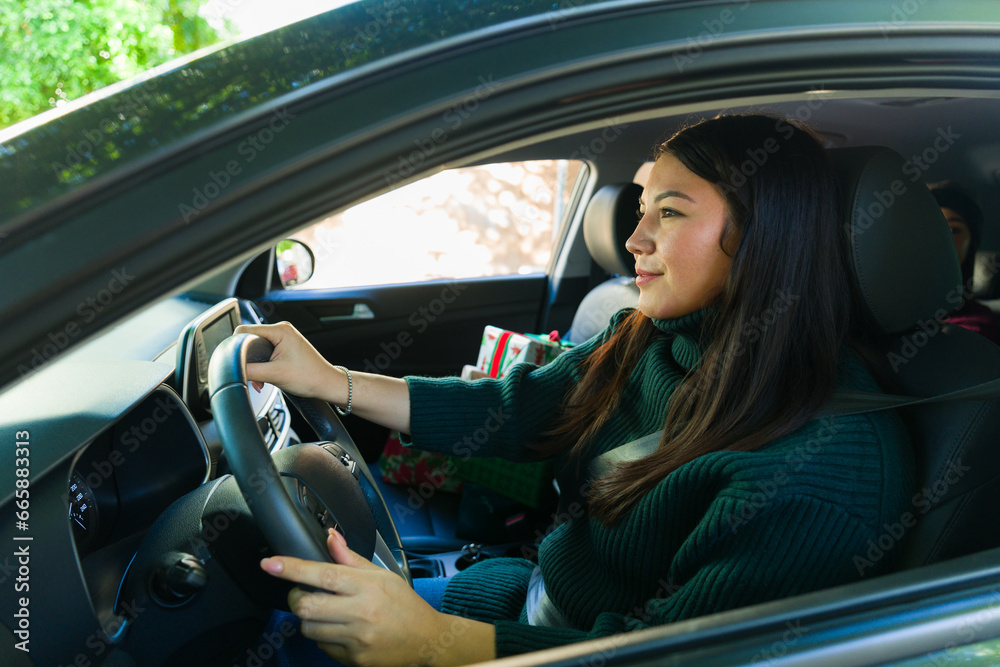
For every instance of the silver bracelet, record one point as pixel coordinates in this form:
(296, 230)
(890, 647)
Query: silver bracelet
(350, 393)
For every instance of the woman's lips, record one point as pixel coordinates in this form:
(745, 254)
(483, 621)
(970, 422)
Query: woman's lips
(645, 277)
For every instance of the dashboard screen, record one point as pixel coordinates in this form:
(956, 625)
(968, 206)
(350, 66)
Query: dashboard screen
(197, 343)
(216, 332)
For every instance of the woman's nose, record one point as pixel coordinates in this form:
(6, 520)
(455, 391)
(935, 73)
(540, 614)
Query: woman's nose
(640, 242)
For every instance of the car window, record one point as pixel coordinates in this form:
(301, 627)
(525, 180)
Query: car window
(489, 220)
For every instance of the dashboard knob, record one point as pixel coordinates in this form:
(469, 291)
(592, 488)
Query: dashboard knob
(178, 579)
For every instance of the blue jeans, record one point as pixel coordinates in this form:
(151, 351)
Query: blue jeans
(296, 650)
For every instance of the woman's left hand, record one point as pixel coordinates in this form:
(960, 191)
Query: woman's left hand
(366, 615)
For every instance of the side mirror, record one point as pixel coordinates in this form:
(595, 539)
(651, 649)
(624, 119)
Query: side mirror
(295, 262)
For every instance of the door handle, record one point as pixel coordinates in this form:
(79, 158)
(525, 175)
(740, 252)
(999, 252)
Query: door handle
(361, 311)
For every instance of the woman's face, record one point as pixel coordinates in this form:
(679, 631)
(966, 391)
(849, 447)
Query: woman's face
(679, 260)
(959, 232)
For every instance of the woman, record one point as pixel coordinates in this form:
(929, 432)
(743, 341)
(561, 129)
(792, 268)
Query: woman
(966, 222)
(739, 337)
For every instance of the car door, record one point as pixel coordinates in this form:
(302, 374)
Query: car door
(404, 283)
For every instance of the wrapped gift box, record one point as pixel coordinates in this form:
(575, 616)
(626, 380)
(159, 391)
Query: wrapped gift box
(412, 467)
(500, 349)
(528, 483)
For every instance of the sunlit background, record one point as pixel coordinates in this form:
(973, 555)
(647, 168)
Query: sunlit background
(55, 51)
(252, 17)
(490, 220)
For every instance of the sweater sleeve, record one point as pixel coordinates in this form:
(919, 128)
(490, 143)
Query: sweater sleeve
(490, 417)
(761, 559)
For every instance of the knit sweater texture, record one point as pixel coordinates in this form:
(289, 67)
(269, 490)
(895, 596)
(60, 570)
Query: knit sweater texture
(725, 530)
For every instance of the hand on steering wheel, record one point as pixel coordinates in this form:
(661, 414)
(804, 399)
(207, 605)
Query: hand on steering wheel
(295, 366)
(318, 484)
(359, 613)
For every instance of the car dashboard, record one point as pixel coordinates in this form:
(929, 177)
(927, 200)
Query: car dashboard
(111, 434)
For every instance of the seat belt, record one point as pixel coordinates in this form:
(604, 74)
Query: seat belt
(841, 402)
(848, 402)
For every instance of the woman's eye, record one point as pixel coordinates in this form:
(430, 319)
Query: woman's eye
(667, 212)
(639, 213)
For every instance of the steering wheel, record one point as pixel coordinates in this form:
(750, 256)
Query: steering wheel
(319, 485)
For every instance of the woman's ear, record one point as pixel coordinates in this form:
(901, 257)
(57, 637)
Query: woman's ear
(730, 240)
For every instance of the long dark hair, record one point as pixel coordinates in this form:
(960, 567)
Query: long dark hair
(770, 343)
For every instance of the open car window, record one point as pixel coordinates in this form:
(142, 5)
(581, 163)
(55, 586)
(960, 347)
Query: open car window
(489, 220)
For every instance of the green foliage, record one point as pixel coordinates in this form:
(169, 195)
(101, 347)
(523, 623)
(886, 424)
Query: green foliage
(53, 51)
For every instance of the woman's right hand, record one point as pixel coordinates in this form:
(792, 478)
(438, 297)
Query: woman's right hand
(295, 366)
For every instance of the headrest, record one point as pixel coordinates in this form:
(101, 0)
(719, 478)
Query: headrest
(608, 222)
(900, 247)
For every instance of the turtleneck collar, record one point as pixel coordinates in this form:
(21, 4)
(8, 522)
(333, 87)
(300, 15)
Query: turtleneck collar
(686, 347)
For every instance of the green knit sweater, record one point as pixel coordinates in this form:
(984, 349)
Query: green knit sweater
(725, 530)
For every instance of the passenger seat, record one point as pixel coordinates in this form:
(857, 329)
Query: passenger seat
(607, 223)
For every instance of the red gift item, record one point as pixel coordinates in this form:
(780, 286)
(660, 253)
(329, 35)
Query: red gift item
(412, 467)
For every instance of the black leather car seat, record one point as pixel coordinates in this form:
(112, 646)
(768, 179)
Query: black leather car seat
(908, 276)
(608, 221)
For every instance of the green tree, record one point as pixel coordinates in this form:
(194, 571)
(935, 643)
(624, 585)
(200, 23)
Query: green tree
(52, 51)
